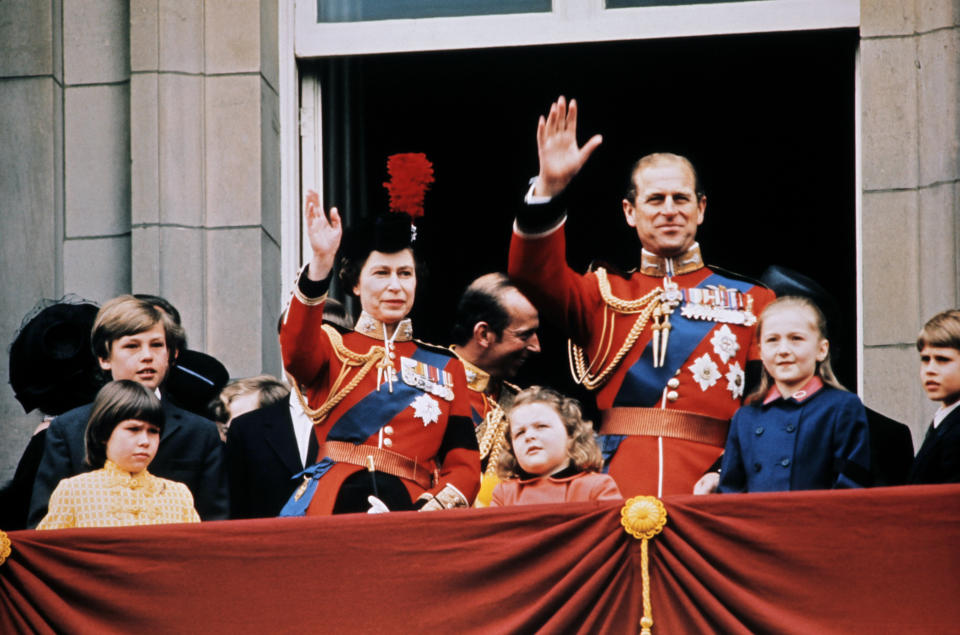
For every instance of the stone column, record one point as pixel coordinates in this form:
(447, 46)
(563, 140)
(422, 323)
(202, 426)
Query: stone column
(911, 197)
(64, 168)
(205, 171)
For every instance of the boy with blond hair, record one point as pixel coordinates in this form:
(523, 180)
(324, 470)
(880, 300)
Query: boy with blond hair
(938, 460)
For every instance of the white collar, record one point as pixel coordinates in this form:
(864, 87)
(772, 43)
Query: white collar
(943, 413)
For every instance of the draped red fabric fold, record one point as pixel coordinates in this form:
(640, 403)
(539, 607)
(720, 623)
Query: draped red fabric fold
(874, 561)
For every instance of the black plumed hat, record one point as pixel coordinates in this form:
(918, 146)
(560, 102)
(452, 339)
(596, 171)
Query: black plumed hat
(388, 233)
(52, 366)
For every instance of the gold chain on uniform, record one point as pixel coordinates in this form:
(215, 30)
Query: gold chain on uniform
(491, 434)
(644, 306)
(350, 359)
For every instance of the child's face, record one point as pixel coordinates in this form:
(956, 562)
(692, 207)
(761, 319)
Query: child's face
(940, 373)
(790, 347)
(540, 440)
(133, 444)
(142, 357)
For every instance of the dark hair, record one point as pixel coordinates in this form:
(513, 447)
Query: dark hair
(481, 302)
(127, 315)
(941, 331)
(655, 159)
(116, 402)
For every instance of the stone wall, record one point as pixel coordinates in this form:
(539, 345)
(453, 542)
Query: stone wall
(139, 152)
(910, 61)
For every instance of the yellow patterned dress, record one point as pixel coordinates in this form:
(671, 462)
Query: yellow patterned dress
(111, 497)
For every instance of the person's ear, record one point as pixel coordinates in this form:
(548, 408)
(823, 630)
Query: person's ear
(104, 363)
(823, 349)
(482, 333)
(630, 213)
(701, 209)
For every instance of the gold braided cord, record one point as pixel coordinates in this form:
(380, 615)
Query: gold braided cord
(492, 427)
(350, 360)
(4, 547)
(644, 306)
(644, 517)
(646, 622)
(600, 358)
(619, 304)
(592, 382)
(491, 435)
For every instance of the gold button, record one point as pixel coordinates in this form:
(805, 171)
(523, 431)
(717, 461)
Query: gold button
(388, 429)
(672, 395)
(673, 383)
(387, 443)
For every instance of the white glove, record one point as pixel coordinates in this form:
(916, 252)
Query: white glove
(377, 506)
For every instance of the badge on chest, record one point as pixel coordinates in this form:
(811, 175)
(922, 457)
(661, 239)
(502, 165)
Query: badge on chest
(427, 378)
(718, 304)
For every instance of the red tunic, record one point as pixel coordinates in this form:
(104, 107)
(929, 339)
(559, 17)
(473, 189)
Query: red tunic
(434, 431)
(580, 487)
(712, 386)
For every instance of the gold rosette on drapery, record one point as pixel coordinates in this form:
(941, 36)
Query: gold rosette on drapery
(643, 517)
(4, 547)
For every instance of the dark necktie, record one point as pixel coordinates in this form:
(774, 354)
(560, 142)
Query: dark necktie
(312, 448)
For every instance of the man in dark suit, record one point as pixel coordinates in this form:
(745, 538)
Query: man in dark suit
(938, 460)
(266, 448)
(135, 340)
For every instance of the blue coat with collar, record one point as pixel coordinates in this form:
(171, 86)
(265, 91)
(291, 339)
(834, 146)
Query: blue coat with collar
(190, 452)
(821, 441)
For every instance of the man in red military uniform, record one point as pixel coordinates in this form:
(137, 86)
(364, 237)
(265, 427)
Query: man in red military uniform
(664, 347)
(494, 332)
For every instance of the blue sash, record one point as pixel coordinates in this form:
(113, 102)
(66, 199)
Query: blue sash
(643, 384)
(356, 425)
(298, 506)
(380, 407)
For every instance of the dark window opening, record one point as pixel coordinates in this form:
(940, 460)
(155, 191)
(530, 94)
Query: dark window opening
(767, 119)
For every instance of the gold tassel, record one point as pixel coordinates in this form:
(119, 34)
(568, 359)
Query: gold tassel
(643, 517)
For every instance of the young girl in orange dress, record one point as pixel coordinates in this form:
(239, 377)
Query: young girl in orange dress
(552, 456)
(122, 437)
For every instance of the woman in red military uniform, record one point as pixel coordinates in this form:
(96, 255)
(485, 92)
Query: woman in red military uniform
(391, 414)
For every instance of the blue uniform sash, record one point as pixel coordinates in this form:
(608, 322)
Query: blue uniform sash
(297, 505)
(475, 417)
(356, 425)
(643, 384)
(379, 407)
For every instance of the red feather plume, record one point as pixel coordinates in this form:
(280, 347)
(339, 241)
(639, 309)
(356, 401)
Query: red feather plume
(411, 174)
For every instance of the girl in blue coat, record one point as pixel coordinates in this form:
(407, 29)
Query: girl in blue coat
(800, 428)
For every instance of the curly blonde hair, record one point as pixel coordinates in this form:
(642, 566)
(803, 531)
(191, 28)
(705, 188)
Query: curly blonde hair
(582, 447)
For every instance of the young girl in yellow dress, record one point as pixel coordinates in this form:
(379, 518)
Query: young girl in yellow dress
(122, 437)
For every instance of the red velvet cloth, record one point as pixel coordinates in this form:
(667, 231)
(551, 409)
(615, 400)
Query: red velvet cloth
(869, 561)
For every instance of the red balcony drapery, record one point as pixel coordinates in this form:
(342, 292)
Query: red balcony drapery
(870, 561)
